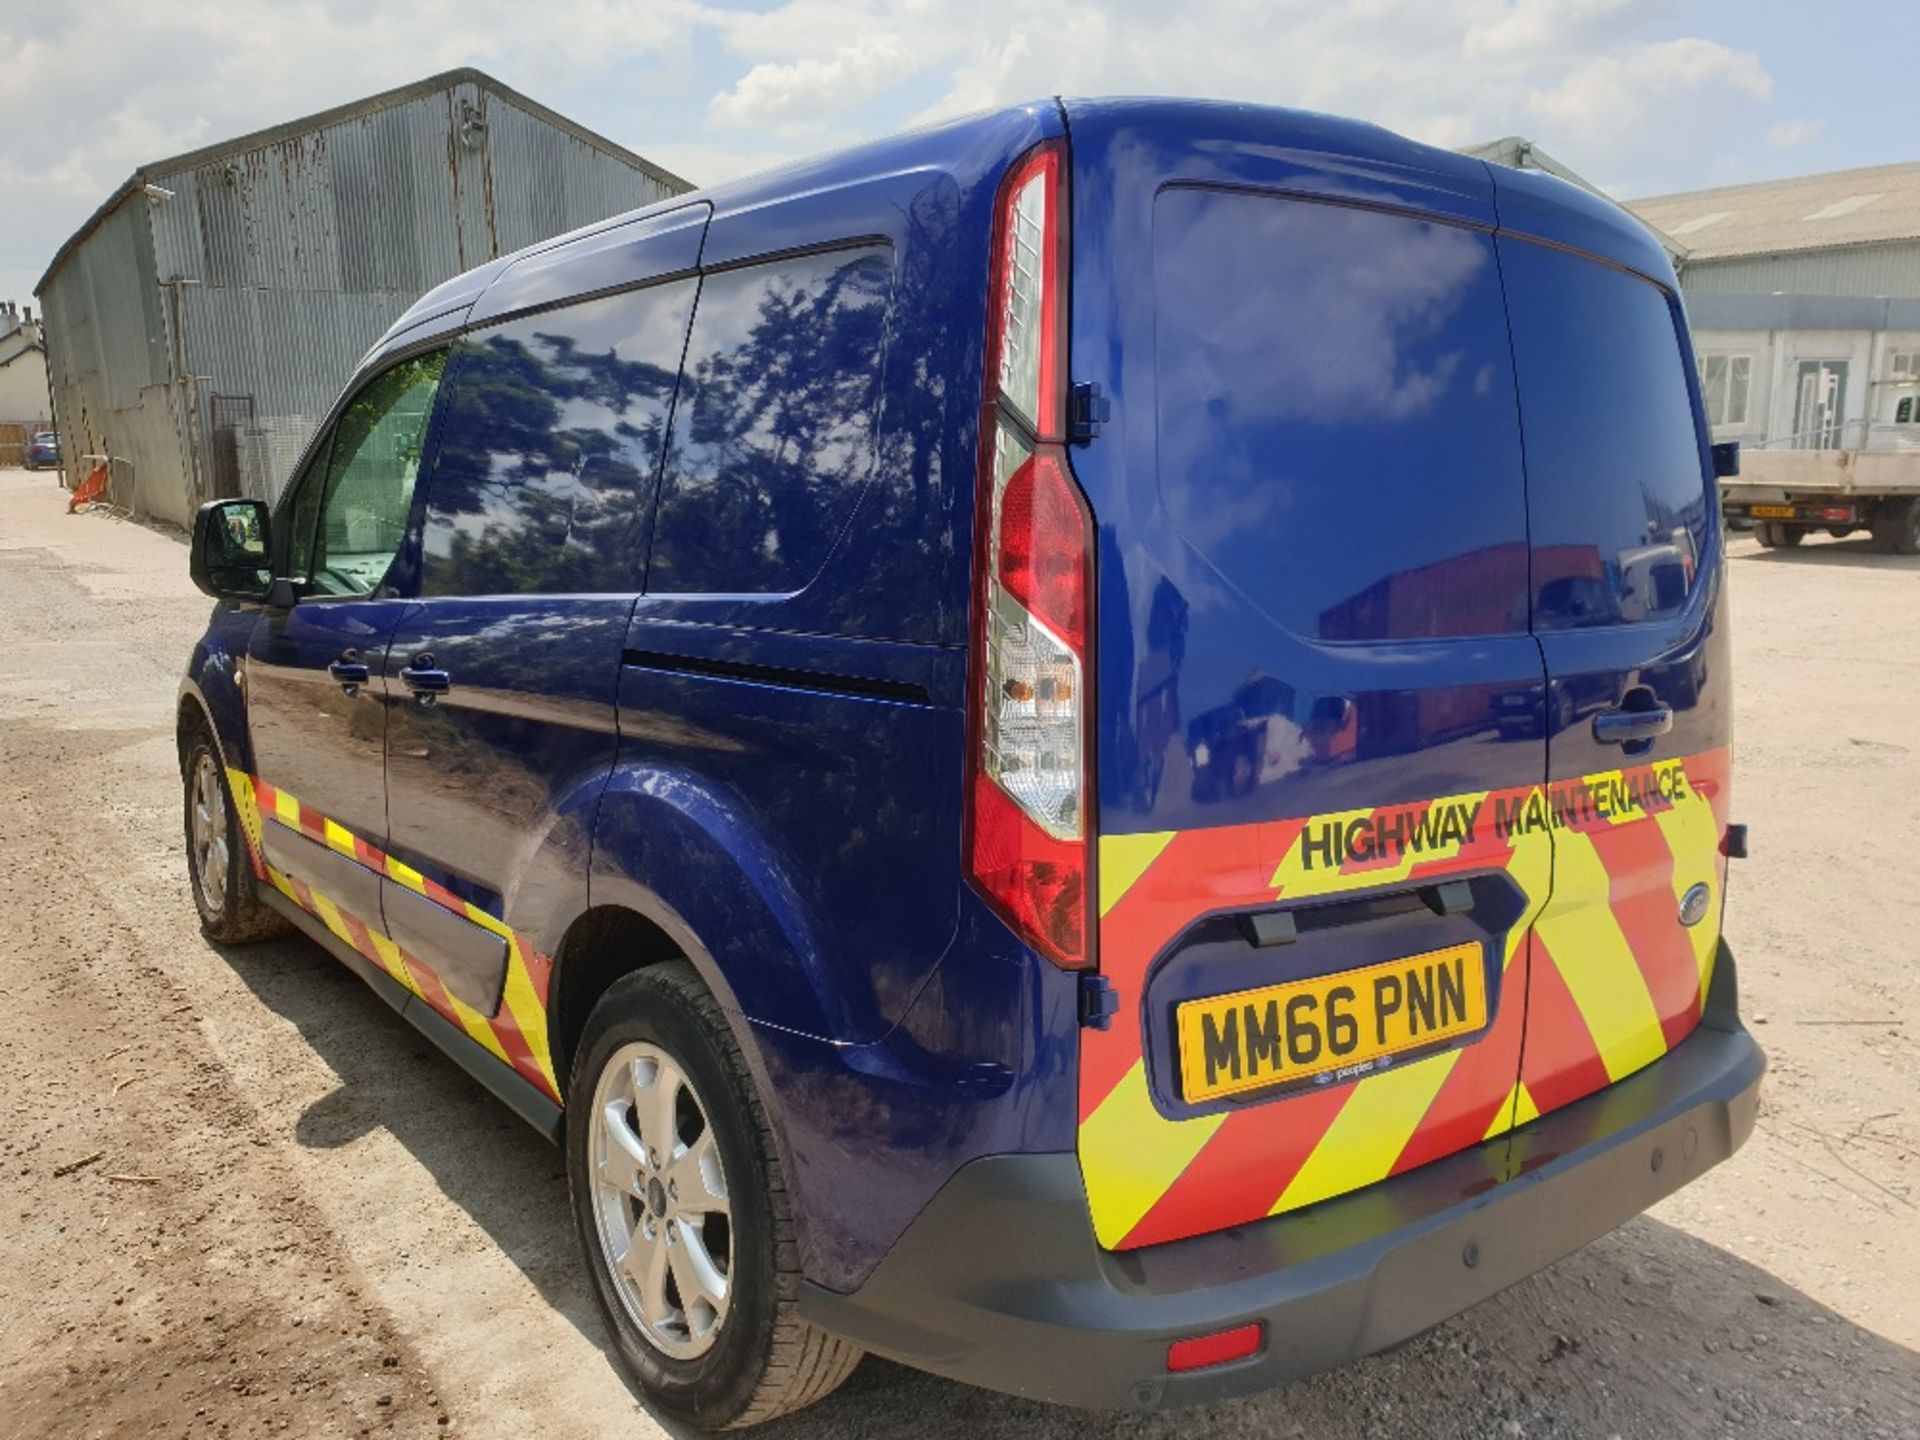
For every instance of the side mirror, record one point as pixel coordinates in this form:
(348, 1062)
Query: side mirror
(231, 558)
(1726, 458)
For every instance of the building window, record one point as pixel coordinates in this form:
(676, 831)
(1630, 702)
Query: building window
(1903, 413)
(1904, 365)
(1723, 383)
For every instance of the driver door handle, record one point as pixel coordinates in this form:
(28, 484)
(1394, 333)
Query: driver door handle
(425, 679)
(349, 672)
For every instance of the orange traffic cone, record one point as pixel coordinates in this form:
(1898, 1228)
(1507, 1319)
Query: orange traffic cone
(94, 487)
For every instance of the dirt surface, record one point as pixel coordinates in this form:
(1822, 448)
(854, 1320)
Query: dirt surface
(238, 1196)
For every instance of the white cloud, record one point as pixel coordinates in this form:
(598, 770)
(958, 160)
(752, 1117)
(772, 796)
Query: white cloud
(1606, 85)
(777, 92)
(1795, 132)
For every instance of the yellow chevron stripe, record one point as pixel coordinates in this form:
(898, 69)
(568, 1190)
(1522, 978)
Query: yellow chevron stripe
(286, 809)
(1531, 868)
(1123, 860)
(393, 962)
(339, 838)
(1370, 1131)
(1694, 838)
(1130, 1154)
(1595, 960)
(1516, 1110)
(528, 1013)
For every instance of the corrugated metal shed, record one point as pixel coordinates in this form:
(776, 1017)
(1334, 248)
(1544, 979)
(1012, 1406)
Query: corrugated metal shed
(260, 270)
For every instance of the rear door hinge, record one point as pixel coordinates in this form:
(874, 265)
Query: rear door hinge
(1099, 1002)
(1087, 411)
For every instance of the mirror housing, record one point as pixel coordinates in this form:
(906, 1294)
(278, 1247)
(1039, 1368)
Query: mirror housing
(1726, 458)
(232, 554)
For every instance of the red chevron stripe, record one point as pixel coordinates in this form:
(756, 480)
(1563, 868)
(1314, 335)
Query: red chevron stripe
(1639, 864)
(1243, 1169)
(1479, 1083)
(1198, 872)
(1559, 1061)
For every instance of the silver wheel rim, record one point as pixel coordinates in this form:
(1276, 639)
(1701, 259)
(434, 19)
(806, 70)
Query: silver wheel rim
(660, 1201)
(208, 834)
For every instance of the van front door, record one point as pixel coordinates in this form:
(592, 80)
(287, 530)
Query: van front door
(316, 695)
(1628, 589)
(504, 677)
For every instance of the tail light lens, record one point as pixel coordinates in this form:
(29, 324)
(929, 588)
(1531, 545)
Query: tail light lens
(1028, 792)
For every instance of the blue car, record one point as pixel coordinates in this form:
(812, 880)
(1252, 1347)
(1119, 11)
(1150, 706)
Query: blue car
(43, 451)
(965, 725)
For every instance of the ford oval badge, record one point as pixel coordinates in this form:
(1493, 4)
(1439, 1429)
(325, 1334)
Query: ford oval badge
(1693, 905)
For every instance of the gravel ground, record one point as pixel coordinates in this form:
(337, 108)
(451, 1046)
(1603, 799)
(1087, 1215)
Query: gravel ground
(239, 1197)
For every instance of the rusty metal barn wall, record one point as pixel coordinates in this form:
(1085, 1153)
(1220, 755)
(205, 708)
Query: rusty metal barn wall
(108, 343)
(546, 181)
(290, 259)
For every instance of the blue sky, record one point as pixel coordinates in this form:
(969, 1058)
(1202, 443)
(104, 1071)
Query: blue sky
(1642, 98)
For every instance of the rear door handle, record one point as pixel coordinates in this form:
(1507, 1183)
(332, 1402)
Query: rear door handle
(425, 680)
(349, 671)
(1630, 727)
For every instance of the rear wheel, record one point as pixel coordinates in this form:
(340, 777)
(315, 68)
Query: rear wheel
(1775, 534)
(682, 1209)
(222, 880)
(1897, 527)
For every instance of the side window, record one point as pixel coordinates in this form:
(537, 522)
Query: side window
(1723, 387)
(1617, 489)
(554, 429)
(350, 514)
(774, 433)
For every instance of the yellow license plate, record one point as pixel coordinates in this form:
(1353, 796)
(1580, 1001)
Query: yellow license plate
(1252, 1038)
(1772, 512)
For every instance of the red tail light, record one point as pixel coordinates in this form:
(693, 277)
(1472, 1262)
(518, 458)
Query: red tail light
(1028, 791)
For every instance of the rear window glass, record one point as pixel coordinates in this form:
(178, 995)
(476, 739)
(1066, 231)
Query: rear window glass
(555, 425)
(1335, 414)
(1618, 488)
(773, 435)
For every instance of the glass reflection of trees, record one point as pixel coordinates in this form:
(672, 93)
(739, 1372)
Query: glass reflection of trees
(554, 430)
(774, 440)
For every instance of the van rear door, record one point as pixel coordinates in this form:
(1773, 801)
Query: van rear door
(1318, 694)
(1627, 604)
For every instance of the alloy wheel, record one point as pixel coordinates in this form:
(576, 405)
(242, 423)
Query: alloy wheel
(208, 837)
(660, 1201)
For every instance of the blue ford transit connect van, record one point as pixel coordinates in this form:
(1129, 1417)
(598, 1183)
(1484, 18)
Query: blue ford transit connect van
(1088, 748)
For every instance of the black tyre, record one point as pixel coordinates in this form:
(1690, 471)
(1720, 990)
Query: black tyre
(217, 869)
(1896, 528)
(1774, 534)
(1840, 532)
(683, 1213)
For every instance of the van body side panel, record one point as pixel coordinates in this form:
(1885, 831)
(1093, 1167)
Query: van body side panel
(1317, 691)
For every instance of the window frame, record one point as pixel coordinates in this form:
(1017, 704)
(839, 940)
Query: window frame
(318, 461)
(1729, 359)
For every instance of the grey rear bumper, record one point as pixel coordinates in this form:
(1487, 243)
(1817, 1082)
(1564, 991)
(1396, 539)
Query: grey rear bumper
(1000, 1282)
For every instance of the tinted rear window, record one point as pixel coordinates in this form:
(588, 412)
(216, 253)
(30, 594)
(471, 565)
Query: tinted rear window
(773, 434)
(554, 429)
(1617, 484)
(1336, 414)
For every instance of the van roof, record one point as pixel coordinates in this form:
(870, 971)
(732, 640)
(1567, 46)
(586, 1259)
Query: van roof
(1544, 206)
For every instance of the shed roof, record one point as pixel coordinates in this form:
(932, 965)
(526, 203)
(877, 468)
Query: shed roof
(153, 171)
(1872, 206)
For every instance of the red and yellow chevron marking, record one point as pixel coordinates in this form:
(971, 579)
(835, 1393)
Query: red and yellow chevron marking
(1600, 939)
(516, 1034)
